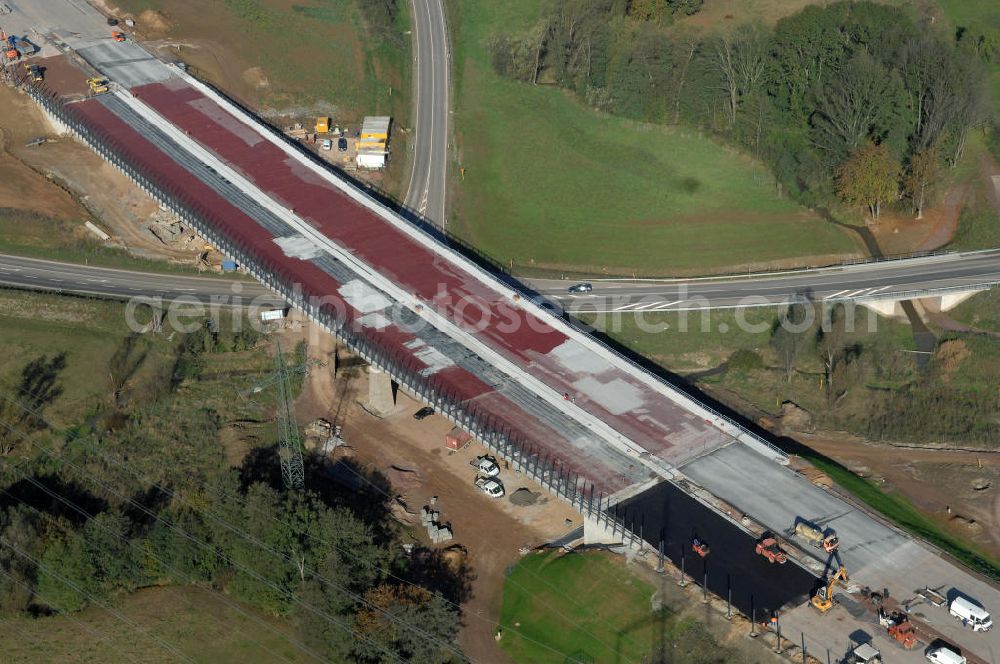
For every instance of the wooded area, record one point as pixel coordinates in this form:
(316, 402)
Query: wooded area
(139, 493)
(816, 97)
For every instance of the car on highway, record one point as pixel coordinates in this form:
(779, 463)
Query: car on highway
(342, 144)
(581, 288)
(426, 411)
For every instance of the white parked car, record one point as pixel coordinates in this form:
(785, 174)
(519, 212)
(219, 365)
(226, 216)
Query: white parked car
(327, 144)
(492, 488)
(944, 655)
(486, 466)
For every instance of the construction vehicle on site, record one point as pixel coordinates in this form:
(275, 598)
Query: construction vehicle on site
(815, 535)
(767, 546)
(9, 46)
(899, 627)
(25, 46)
(34, 71)
(823, 599)
(866, 653)
(700, 547)
(97, 85)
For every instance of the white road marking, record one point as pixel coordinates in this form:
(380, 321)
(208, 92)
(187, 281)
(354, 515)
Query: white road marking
(667, 305)
(838, 293)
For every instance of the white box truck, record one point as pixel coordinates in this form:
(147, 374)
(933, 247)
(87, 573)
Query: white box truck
(970, 614)
(944, 655)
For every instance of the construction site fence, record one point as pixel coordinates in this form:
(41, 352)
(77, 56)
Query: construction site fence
(494, 433)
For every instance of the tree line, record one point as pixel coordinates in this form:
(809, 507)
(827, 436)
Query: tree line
(900, 403)
(856, 99)
(141, 495)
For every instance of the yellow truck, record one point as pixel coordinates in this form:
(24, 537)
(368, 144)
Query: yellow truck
(322, 125)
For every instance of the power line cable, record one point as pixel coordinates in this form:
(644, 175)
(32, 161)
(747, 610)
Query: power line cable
(357, 558)
(90, 597)
(289, 594)
(243, 534)
(66, 614)
(135, 545)
(206, 512)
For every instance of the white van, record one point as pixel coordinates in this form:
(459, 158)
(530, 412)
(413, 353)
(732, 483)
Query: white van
(971, 615)
(944, 655)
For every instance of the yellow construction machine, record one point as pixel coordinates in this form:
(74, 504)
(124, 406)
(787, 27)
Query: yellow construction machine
(823, 599)
(97, 85)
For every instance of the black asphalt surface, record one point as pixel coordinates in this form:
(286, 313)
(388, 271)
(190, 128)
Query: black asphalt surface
(666, 512)
(54, 276)
(897, 279)
(426, 190)
(952, 271)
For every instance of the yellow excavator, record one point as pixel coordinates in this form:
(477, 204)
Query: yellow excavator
(823, 599)
(97, 85)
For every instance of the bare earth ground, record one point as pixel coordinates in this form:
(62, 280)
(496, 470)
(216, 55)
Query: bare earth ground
(413, 456)
(902, 234)
(21, 187)
(933, 479)
(122, 209)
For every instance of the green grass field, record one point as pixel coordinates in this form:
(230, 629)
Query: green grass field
(583, 608)
(976, 14)
(551, 184)
(981, 311)
(309, 51)
(87, 331)
(189, 619)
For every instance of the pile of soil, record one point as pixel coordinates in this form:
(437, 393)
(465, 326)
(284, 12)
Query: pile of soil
(402, 479)
(950, 355)
(523, 497)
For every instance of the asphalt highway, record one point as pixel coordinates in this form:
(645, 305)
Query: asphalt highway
(878, 280)
(46, 275)
(898, 279)
(426, 190)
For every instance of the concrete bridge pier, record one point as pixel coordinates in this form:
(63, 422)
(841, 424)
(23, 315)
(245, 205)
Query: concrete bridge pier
(893, 308)
(381, 392)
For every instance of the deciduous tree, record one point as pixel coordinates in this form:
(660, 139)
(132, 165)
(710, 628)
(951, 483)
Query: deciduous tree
(921, 176)
(791, 334)
(870, 178)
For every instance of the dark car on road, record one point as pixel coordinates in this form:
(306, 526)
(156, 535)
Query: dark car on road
(426, 411)
(581, 288)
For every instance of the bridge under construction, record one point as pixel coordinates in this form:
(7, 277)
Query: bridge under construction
(593, 426)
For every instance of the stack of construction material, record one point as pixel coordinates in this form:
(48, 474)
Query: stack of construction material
(438, 532)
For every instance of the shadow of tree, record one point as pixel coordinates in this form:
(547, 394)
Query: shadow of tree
(446, 571)
(21, 408)
(41, 498)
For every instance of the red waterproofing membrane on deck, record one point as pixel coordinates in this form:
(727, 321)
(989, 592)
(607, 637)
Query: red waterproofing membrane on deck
(257, 241)
(661, 426)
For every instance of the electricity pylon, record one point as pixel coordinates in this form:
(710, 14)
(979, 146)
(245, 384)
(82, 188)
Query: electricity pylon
(290, 450)
(289, 441)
